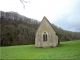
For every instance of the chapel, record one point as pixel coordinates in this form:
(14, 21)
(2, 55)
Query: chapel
(45, 35)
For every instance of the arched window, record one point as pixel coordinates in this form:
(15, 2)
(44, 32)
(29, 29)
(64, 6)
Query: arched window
(44, 36)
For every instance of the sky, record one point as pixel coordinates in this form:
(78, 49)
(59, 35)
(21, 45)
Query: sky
(62, 13)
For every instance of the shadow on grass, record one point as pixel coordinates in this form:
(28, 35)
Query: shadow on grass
(63, 45)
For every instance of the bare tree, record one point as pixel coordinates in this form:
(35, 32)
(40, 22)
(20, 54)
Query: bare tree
(23, 1)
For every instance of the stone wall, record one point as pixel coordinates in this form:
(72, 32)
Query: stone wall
(52, 38)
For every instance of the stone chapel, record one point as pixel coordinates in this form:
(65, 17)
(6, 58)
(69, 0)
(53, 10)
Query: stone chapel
(45, 35)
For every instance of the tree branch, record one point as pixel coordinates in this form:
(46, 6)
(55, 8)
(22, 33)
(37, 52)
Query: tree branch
(23, 1)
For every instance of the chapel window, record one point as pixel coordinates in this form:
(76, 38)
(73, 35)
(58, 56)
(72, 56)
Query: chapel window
(44, 36)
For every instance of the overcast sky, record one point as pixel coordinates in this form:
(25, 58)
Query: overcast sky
(63, 13)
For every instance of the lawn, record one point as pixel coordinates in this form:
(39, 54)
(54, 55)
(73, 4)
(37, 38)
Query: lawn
(67, 50)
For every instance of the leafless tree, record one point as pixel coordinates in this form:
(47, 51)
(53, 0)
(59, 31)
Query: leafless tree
(23, 1)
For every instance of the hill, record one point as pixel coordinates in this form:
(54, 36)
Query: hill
(20, 30)
(67, 50)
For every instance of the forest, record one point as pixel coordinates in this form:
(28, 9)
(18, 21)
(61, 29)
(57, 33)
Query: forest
(16, 29)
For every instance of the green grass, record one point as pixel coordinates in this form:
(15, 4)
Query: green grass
(67, 50)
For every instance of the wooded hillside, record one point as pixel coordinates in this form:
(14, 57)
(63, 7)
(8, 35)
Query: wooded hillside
(19, 30)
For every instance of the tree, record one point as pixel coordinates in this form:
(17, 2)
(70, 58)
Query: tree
(20, 30)
(23, 1)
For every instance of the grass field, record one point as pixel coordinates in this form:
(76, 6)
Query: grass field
(67, 50)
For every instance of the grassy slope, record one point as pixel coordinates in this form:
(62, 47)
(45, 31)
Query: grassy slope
(67, 50)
